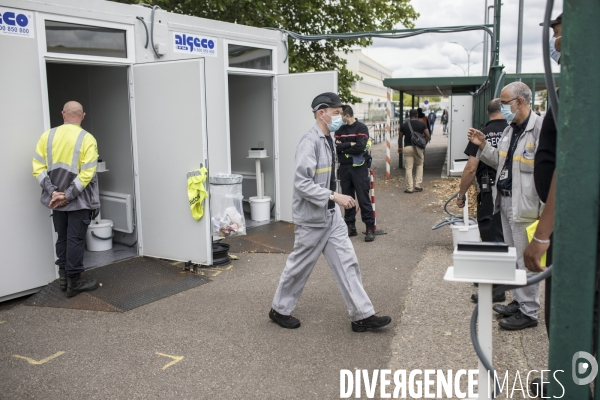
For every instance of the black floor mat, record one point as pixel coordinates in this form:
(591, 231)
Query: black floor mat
(276, 237)
(125, 285)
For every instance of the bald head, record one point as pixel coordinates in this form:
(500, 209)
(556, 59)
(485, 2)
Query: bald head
(73, 112)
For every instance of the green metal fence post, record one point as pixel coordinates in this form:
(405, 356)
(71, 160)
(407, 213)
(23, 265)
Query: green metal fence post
(577, 198)
(400, 160)
(533, 94)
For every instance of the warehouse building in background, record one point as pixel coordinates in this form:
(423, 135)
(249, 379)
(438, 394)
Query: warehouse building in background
(370, 89)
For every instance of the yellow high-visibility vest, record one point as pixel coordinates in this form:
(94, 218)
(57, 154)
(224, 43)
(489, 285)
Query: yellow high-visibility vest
(197, 192)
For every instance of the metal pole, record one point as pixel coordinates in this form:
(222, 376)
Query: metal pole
(400, 163)
(520, 37)
(485, 42)
(576, 216)
(533, 95)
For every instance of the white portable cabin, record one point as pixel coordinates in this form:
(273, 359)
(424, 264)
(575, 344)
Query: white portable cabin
(216, 90)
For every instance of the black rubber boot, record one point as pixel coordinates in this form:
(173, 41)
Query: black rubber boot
(352, 231)
(62, 279)
(370, 234)
(77, 284)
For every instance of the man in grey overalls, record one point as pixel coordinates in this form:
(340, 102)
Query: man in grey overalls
(320, 227)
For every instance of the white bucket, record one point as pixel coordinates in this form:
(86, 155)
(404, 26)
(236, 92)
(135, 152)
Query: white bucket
(462, 233)
(260, 209)
(99, 235)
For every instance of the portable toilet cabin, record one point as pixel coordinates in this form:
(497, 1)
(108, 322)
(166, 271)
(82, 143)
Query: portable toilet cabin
(164, 94)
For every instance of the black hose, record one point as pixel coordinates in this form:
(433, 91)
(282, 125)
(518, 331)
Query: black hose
(549, 77)
(146, 28)
(152, 31)
(486, 363)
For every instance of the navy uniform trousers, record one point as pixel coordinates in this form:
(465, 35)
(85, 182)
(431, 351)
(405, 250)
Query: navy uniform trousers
(356, 180)
(71, 227)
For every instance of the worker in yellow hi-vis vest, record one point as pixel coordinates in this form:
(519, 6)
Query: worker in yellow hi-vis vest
(64, 163)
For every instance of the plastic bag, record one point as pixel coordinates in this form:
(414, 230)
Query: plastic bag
(227, 215)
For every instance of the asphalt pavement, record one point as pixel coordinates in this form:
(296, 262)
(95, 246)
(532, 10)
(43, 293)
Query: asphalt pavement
(216, 341)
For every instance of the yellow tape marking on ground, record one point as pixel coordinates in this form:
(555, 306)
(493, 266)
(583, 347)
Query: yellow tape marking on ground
(1, 322)
(176, 359)
(228, 268)
(216, 273)
(44, 361)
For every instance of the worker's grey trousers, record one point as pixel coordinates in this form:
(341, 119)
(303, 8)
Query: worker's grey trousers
(515, 235)
(333, 241)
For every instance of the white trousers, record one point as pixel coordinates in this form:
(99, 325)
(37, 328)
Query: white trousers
(333, 241)
(515, 235)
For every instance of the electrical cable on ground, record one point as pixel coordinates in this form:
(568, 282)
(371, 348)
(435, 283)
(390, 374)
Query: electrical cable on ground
(454, 218)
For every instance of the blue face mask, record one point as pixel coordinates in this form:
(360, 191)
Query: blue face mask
(336, 123)
(554, 54)
(507, 112)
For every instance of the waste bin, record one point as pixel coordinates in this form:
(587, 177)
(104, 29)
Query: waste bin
(227, 215)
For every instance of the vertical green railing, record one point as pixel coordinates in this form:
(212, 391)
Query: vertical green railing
(577, 195)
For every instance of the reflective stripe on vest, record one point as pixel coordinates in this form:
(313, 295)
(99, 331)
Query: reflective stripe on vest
(74, 167)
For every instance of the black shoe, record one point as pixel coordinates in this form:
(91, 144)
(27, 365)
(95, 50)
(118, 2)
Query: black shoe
(77, 284)
(517, 322)
(373, 322)
(352, 231)
(500, 298)
(62, 279)
(539, 390)
(508, 311)
(418, 189)
(285, 321)
(370, 234)
(408, 191)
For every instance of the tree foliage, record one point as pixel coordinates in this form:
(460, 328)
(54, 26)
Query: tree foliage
(306, 17)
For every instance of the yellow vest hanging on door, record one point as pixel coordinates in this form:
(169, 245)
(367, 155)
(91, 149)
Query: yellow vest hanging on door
(196, 192)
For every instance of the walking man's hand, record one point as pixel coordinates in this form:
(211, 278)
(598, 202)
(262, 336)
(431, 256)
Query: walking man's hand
(344, 201)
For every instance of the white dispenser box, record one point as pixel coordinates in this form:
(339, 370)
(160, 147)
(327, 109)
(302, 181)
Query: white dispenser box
(487, 261)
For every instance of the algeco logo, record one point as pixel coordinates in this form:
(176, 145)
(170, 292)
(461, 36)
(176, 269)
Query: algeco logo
(16, 23)
(581, 368)
(9, 18)
(186, 43)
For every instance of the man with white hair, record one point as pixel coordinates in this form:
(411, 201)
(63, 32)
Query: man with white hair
(514, 194)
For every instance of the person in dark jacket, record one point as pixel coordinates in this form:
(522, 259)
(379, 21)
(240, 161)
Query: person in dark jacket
(352, 146)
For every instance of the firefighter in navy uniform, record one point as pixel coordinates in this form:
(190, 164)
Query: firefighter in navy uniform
(352, 146)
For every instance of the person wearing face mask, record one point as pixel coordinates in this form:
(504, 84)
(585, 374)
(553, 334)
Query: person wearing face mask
(352, 145)
(544, 178)
(556, 39)
(514, 193)
(319, 226)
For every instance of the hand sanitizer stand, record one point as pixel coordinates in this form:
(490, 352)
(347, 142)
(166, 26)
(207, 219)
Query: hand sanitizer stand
(260, 205)
(486, 267)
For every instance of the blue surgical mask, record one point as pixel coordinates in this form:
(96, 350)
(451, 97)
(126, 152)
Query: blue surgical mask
(507, 113)
(336, 123)
(554, 54)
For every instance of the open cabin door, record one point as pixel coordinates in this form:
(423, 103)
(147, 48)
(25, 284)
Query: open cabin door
(294, 94)
(170, 117)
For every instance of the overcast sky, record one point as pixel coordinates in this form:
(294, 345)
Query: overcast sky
(432, 54)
